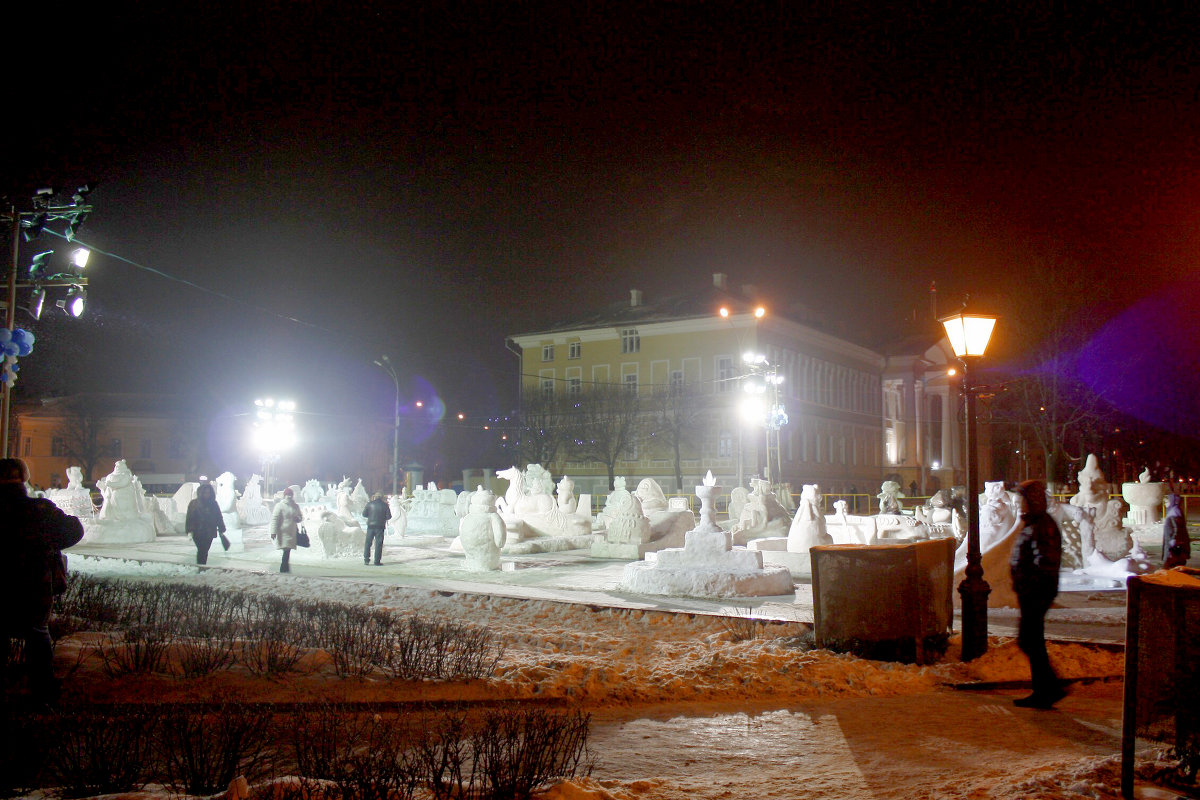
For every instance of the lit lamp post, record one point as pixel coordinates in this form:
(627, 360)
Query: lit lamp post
(764, 376)
(386, 365)
(274, 432)
(969, 335)
(726, 314)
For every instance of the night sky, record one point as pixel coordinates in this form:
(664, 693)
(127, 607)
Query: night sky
(344, 180)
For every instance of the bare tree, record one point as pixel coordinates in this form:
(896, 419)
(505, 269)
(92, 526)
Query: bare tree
(675, 419)
(543, 429)
(84, 422)
(1044, 400)
(606, 423)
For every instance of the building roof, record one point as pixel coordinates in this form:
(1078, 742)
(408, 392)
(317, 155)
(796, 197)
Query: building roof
(112, 405)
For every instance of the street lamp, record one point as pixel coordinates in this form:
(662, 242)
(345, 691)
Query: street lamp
(726, 314)
(274, 432)
(969, 335)
(763, 376)
(386, 365)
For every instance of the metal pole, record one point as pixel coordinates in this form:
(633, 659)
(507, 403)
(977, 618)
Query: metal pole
(974, 589)
(10, 317)
(396, 439)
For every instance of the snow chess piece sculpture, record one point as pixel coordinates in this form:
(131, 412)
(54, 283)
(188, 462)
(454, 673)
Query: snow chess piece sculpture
(1111, 540)
(568, 503)
(762, 516)
(481, 532)
(808, 528)
(1145, 499)
(75, 499)
(889, 497)
(120, 519)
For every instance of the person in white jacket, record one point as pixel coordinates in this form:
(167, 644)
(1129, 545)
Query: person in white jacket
(285, 527)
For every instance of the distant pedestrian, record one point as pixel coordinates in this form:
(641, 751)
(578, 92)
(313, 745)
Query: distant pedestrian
(285, 527)
(377, 514)
(33, 533)
(204, 522)
(1035, 561)
(1177, 547)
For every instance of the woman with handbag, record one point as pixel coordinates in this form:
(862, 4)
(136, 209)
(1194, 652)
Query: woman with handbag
(204, 522)
(285, 527)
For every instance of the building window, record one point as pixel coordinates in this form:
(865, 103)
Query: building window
(725, 374)
(630, 341)
(725, 444)
(575, 350)
(630, 453)
(547, 388)
(26, 447)
(631, 383)
(547, 352)
(114, 449)
(145, 449)
(58, 447)
(574, 387)
(675, 385)
(175, 447)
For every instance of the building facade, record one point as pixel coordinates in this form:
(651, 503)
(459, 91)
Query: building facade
(822, 409)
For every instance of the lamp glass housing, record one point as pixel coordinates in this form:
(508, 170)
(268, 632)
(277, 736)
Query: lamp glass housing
(969, 334)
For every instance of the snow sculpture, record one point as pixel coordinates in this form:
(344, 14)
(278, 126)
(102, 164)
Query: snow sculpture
(251, 508)
(481, 532)
(226, 491)
(761, 517)
(707, 565)
(889, 497)
(941, 516)
(808, 528)
(631, 531)
(737, 502)
(432, 512)
(1145, 500)
(359, 498)
(568, 503)
(1111, 540)
(651, 496)
(74, 500)
(530, 510)
(120, 521)
(398, 505)
(339, 539)
(312, 492)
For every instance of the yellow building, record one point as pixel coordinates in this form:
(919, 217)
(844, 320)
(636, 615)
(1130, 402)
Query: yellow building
(854, 415)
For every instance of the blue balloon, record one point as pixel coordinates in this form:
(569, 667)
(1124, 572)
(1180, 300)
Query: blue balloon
(18, 335)
(5, 335)
(24, 349)
(29, 337)
(10, 348)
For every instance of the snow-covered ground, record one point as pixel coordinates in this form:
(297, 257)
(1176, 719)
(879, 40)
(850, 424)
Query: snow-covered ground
(685, 707)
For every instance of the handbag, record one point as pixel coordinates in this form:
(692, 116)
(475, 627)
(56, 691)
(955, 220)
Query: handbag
(302, 538)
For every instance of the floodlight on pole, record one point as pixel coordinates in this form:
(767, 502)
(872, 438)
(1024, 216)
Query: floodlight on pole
(969, 335)
(386, 365)
(79, 257)
(274, 432)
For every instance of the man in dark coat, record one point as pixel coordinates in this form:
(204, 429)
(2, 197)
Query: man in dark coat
(1035, 561)
(377, 514)
(33, 533)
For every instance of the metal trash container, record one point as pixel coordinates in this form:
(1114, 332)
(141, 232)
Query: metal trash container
(892, 602)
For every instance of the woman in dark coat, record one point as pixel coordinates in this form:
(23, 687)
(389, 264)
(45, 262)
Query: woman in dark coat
(204, 522)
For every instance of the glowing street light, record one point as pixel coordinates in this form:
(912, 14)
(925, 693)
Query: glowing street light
(386, 365)
(969, 335)
(274, 432)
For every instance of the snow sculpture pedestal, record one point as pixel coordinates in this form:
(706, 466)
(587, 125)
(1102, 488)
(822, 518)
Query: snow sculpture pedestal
(1145, 501)
(707, 565)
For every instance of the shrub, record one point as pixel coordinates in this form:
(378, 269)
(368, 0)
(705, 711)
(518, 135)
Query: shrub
(101, 752)
(204, 749)
(143, 650)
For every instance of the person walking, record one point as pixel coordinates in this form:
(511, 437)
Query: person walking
(204, 522)
(33, 533)
(285, 527)
(1035, 561)
(1177, 547)
(377, 514)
